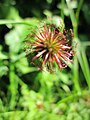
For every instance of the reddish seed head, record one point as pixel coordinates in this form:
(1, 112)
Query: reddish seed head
(51, 46)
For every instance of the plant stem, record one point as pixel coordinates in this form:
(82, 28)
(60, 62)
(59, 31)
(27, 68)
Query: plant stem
(75, 74)
(84, 65)
(75, 28)
(25, 22)
(3, 22)
(62, 6)
(13, 86)
(73, 18)
(72, 96)
(78, 9)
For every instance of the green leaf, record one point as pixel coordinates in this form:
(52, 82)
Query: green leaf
(84, 65)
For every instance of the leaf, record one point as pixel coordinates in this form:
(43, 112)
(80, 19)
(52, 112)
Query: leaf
(23, 66)
(3, 56)
(84, 65)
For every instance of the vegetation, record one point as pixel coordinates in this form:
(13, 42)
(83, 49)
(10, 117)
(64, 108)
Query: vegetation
(27, 93)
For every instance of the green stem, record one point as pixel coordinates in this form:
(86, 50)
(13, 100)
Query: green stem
(62, 7)
(75, 74)
(3, 22)
(13, 86)
(78, 9)
(72, 96)
(78, 13)
(68, 98)
(73, 18)
(84, 65)
(13, 112)
(75, 28)
(86, 43)
(25, 22)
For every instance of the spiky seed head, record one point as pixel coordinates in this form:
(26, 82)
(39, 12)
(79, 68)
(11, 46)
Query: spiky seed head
(51, 46)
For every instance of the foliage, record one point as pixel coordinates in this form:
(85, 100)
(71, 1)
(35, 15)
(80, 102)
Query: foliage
(27, 93)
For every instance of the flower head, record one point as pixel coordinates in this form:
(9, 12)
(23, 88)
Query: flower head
(51, 46)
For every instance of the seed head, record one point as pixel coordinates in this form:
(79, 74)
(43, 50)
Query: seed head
(51, 46)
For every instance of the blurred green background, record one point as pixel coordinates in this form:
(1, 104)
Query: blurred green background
(29, 94)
